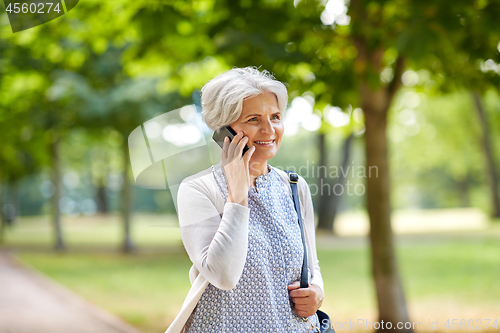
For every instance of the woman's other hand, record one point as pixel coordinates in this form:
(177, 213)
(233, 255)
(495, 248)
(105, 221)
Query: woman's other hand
(306, 301)
(235, 168)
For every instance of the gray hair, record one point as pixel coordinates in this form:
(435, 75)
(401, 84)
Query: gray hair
(222, 97)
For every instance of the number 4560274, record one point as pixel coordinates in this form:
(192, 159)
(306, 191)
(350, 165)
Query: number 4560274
(32, 8)
(470, 324)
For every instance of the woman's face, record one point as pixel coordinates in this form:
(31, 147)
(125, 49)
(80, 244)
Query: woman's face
(260, 121)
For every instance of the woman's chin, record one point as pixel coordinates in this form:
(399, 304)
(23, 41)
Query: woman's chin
(262, 157)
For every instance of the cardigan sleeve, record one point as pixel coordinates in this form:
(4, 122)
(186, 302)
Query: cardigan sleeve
(216, 243)
(309, 230)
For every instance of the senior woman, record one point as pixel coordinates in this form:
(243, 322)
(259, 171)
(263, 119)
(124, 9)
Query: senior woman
(238, 221)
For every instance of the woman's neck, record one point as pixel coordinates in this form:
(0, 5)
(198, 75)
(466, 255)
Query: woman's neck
(257, 169)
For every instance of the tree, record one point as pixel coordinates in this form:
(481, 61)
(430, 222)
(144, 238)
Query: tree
(20, 156)
(29, 60)
(76, 70)
(417, 32)
(486, 143)
(294, 44)
(313, 48)
(328, 203)
(472, 43)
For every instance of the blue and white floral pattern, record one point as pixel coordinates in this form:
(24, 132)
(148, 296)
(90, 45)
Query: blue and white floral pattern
(260, 302)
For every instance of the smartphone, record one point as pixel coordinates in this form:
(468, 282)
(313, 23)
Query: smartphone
(221, 133)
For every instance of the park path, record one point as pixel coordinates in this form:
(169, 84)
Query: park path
(30, 302)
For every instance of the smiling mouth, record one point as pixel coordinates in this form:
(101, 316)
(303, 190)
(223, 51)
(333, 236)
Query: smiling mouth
(264, 142)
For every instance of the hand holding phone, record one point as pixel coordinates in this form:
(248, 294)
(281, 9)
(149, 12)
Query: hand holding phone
(221, 133)
(236, 168)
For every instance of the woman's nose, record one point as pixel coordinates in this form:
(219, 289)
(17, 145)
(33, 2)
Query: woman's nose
(267, 127)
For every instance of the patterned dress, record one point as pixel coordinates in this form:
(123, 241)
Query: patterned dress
(260, 301)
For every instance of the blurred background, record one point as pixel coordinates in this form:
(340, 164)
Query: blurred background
(408, 87)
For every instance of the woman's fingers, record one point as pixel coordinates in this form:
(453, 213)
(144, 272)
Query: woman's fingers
(248, 154)
(225, 147)
(236, 169)
(235, 149)
(304, 313)
(234, 146)
(299, 292)
(242, 144)
(302, 300)
(304, 307)
(305, 302)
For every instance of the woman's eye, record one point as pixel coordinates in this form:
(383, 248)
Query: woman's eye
(253, 119)
(276, 116)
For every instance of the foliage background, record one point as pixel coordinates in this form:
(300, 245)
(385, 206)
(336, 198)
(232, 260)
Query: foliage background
(73, 89)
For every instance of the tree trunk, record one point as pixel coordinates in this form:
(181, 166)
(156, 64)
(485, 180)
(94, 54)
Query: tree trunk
(2, 218)
(390, 296)
(346, 153)
(488, 153)
(463, 192)
(126, 200)
(11, 204)
(329, 203)
(101, 198)
(324, 218)
(56, 179)
(102, 201)
(375, 102)
(14, 199)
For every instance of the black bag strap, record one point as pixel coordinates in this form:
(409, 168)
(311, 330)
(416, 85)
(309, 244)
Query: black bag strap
(293, 177)
(324, 319)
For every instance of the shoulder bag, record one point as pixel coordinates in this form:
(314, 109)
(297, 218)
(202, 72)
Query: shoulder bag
(325, 325)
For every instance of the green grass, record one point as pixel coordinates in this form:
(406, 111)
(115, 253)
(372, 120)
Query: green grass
(144, 290)
(469, 268)
(147, 290)
(147, 230)
(445, 275)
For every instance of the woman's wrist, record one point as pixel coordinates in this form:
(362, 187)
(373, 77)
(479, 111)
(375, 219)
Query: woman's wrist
(241, 201)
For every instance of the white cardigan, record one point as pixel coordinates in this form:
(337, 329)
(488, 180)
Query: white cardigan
(215, 235)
